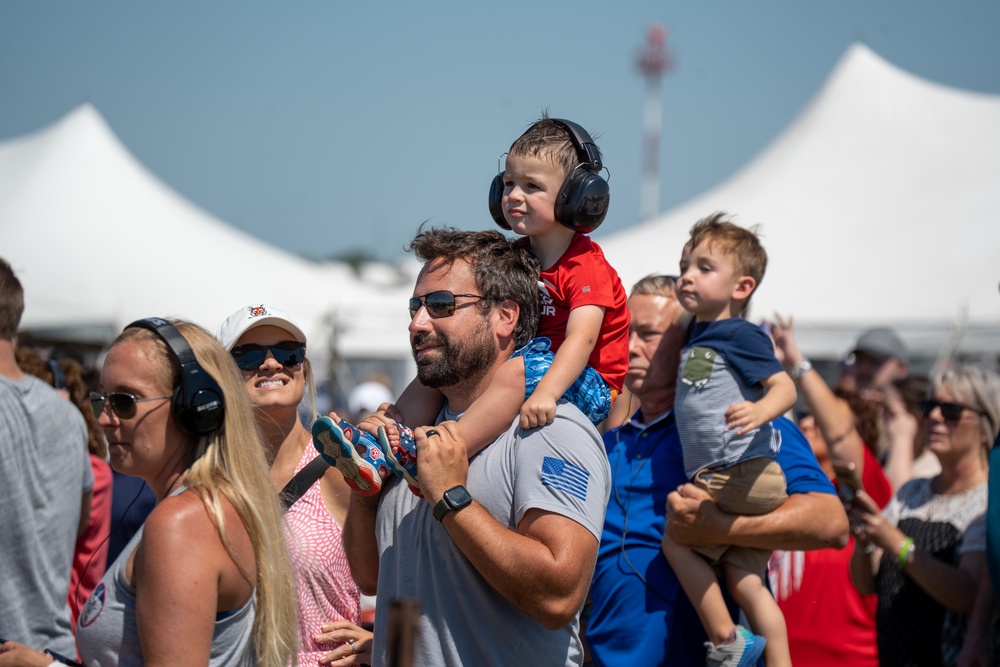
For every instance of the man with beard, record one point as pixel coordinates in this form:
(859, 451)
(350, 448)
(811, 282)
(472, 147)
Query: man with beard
(499, 550)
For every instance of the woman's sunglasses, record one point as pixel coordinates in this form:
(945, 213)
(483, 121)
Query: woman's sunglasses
(950, 411)
(439, 304)
(122, 405)
(287, 353)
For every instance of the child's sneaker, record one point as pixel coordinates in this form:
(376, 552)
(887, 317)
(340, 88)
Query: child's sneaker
(743, 651)
(402, 458)
(354, 453)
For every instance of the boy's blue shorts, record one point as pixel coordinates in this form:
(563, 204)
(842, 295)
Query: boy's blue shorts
(590, 392)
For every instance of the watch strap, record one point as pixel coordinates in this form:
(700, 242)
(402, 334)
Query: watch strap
(441, 508)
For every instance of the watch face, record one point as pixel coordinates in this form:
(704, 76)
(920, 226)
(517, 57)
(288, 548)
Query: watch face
(457, 497)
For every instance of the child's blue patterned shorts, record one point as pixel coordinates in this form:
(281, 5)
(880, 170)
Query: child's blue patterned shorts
(590, 392)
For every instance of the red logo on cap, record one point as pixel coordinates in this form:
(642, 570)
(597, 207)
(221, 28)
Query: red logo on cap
(257, 311)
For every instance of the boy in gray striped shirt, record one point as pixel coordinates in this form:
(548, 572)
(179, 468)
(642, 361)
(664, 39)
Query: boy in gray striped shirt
(730, 386)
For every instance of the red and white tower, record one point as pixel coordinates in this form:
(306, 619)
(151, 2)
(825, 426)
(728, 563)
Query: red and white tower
(653, 62)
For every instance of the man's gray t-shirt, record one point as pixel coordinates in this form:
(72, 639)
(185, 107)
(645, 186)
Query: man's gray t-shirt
(44, 472)
(561, 468)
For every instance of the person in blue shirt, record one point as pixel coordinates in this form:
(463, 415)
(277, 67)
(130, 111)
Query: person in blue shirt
(639, 614)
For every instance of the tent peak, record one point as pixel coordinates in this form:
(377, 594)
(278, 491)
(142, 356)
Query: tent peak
(82, 120)
(86, 121)
(860, 67)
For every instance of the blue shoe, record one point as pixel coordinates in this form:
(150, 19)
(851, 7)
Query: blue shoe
(402, 458)
(743, 652)
(353, 452)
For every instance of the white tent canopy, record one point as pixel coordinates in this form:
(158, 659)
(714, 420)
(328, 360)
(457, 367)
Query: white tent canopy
(879, 205)
(98, 241)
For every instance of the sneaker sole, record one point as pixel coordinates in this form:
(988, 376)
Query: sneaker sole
(756, 650)
(339, 451)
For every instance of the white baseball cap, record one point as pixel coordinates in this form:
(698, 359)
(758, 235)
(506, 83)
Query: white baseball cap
(367, 396)
(249, 317)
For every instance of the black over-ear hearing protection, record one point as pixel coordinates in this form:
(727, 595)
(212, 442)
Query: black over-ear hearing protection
(58, 377)
(197, 402)
(583, 198)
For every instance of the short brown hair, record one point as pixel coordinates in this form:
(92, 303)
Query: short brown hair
(502, 268)
(547, 138)
(740, 243)
(11, 302)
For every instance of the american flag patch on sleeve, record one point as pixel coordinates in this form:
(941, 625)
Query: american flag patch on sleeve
(565, 476)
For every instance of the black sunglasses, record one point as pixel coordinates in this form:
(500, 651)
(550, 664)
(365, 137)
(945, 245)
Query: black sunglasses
(287, 353)
(950, 411)
(123, 405)
(439, 304)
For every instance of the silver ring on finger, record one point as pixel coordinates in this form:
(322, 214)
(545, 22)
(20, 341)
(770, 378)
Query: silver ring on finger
(354, 649)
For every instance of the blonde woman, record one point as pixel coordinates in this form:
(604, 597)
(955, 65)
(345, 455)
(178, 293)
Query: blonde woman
(207, 580)
(925, 554)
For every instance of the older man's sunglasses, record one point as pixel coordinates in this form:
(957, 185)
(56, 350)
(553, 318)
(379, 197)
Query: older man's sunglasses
(950, 411)
(287, 353)
(440, 304)
(122, 404)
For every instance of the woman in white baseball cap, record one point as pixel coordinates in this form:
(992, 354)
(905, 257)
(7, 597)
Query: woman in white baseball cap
(270, 350)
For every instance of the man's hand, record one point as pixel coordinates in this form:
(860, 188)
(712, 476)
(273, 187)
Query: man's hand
(538, 410)
(444, 462)
(805, 521)
(692, 516)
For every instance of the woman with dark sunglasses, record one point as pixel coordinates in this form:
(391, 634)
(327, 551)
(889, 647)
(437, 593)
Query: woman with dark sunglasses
(925, 554)
(269, 348)
(207, 580)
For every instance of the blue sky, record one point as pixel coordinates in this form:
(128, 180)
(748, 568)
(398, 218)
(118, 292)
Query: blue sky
(334, 127)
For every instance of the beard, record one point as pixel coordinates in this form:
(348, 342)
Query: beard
(456, 361)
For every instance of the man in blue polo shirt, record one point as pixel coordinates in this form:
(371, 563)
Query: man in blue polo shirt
(639, 613)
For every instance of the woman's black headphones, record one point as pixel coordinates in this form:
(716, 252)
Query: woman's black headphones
(197, 403)
(58, 377)
(583, 198)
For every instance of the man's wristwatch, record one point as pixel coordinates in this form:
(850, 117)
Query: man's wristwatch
(800, 369)
(455, 499)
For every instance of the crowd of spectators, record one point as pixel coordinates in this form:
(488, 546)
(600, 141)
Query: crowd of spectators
(228, 534)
